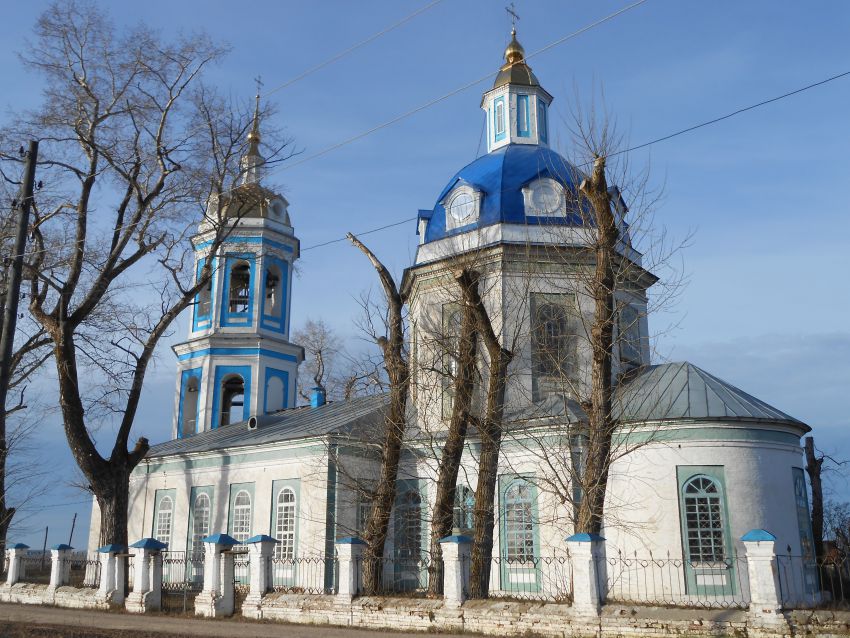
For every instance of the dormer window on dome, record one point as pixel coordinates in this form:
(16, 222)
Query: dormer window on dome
(462, 206)
(545, 197)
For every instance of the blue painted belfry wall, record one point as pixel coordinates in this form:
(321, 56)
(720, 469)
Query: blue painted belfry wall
(238, 349)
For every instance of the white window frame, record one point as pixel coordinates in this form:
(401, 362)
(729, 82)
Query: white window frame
(164, 520)
(463, 190)
(532, 209)
(201, 512)
(241, 527)
(285, 514)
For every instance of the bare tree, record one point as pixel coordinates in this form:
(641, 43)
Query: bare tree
(398, 375)
(135, 150)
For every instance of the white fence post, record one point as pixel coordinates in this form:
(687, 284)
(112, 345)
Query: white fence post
(261, 549)
(60, 566)
(586, 550)
(455, 568)
(350, 553)
(110, 587)
(216, 598)
(17, 569)
(765, 598)
(147, 579)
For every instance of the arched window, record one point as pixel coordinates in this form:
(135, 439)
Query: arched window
(241, 527)
(274, 292)
(554, 336)
(189, 408)
(519, 523)
(200, 523)
(464, 505)
(285, 524)
(704, 520)
(232, 399)
(164, 518)
(239, 295)
(409, 525)
(274, 394)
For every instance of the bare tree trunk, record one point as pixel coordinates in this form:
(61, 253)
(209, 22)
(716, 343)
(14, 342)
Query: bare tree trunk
(490, 431)
(813, 469)
(601, 426)
(450, 459)
(398, 373)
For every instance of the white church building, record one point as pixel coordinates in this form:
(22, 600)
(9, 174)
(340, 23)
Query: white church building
(702, 462)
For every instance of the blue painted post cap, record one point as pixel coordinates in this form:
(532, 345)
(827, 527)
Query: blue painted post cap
(456, 538)
(758, 535)
(17, 546)
(61, 547)
(221, 539)
(350, 540)
(112, 548)
(262, 538)
(149, 543)
(584, 537)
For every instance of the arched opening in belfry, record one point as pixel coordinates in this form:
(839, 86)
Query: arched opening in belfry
(190, 406)
(232, 399)
(274, 292)
(240, 287)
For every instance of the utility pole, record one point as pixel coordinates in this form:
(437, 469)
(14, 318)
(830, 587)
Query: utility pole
(73, 524)
(10, 319)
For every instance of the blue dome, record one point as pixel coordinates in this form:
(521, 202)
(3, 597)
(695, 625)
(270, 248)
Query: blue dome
(500, 177)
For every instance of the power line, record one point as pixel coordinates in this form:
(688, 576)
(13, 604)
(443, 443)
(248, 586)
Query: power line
(451, 93)
(354, 47)
(654, 141)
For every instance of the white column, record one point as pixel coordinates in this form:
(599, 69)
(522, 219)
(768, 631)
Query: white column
(350, 554)
(216, 597)
(16, 570)
(147, 579)
(455, 568)
(261, 550)
(60, 566)
(586, 550)
(765, 599)
(108, 582)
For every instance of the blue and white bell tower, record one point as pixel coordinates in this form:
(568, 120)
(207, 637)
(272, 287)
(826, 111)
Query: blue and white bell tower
(238, 361)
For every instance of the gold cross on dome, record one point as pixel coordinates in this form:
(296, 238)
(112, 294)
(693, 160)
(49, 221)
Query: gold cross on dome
(259, 82)
(514, 15)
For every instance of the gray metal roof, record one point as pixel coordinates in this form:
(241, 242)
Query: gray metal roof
(684, 391)
(338, 417)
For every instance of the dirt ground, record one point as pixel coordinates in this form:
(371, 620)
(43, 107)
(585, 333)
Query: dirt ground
(27, 630)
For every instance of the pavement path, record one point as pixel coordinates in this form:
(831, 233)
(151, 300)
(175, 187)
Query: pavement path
(184, 626)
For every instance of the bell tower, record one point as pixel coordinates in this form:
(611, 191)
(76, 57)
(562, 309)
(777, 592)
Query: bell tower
(238, 361)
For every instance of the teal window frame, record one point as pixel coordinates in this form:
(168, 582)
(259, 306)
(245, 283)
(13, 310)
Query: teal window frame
(245, 318)
(527, 571)
(462, 513)
(694, 571)
(523, 124)
(235, 489)
(159, 495)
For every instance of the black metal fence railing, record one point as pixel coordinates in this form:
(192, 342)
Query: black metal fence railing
(542, 578)
(36, 568)
(823, 584)
(399, 576)
(674, 582)
(182, 580)
(304, 575)
(83, 569)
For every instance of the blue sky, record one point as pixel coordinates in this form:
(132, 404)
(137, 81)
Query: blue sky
(767, 305)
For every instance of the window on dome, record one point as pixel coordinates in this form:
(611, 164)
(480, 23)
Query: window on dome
(523, 124)
(542, 124)
(554, 340)
(544, 198)
(461, 207)
(499, 119)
